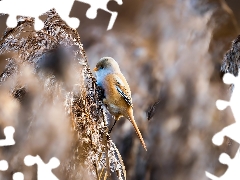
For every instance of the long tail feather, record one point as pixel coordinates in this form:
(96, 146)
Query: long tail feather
(137, 131)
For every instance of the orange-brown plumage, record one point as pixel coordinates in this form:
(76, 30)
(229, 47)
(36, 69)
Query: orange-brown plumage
(117, 92)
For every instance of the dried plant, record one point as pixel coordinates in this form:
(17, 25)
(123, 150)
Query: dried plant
(58, 103)
(231, 61)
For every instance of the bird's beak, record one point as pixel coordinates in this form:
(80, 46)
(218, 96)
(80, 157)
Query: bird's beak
(95, 69)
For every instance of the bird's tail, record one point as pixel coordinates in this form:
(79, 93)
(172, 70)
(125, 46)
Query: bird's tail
(131, 118)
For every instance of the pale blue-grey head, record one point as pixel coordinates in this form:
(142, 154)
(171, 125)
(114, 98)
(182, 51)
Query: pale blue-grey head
(105, 66)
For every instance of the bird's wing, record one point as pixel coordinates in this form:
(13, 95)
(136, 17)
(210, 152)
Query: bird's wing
(123, 90)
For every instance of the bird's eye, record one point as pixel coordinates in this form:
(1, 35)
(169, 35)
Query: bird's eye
(101, 67)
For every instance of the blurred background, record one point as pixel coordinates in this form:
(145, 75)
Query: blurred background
(169, 51)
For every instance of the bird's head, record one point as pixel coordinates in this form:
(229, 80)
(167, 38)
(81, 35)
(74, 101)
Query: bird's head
(106, 65)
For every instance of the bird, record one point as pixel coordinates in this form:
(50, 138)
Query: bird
(117, 93)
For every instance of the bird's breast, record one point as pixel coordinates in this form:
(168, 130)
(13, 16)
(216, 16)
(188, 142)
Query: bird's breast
(113, 108)
(101, 77)
(113, 97)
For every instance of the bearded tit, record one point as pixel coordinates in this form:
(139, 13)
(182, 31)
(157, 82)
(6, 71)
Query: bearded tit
(117, 92)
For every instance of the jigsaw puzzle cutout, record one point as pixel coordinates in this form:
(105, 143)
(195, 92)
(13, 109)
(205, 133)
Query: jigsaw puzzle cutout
(232, 172)
(8, 132)
(44, 170)
(101, 4)
(18, 176)
(8, 141)
(3, 165)
(36, 8)
(232, 131)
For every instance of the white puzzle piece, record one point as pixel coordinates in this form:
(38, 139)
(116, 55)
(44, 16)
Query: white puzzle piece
(232, 172)
(18, 176)
(8, 132)
(3, 165)
(232, 131)
(44, 170)
(8, 141)
(29, 8)
(35, 8)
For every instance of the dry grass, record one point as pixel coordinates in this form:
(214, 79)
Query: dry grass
(49, 95)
